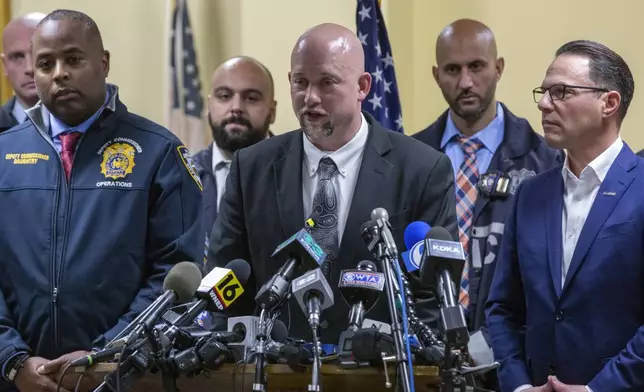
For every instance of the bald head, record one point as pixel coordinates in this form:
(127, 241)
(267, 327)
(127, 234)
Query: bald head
(467, 71)
(248, 67)
(22, 25)
(330, 40)
(465, 32)
(16, 56)
(328, 84)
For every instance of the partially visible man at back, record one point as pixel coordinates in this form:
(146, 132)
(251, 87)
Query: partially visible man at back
(18, 68)
(241, 108)
(491, 151)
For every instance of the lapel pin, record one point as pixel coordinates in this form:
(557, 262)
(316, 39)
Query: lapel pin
(609, 193)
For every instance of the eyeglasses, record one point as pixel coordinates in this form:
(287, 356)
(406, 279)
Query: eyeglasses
(558, 91)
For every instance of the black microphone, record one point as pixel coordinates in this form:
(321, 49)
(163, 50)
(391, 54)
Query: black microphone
(180, 284)
(216, 292)
(360, 289)
(302, 253)
(441, 266)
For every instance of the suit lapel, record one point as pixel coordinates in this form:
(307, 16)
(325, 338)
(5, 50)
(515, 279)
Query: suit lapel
(373, 172)
(610, 192)
(287, 172)
(553, 213)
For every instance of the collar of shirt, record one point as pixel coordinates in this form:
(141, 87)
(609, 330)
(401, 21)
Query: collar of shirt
(217, 157)
(598, 167)
(56, 127)
(491, 136)
(18, 111)
(344, 158)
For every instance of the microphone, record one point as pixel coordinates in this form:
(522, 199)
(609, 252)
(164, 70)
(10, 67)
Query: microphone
(313, 294)
(302, 252)
(381, 216)
(360, 289)
(216, 292)
(442, 266)
(180, 284)
(415, 234)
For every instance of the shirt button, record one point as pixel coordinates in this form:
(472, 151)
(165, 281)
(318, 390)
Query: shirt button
(559, 315)
(551, 370)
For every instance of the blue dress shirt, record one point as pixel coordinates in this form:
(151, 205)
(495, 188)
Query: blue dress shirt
(491, 137)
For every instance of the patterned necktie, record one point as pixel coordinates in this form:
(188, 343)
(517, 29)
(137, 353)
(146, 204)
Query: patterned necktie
(68, 142)
(325, 213)
(466, 179)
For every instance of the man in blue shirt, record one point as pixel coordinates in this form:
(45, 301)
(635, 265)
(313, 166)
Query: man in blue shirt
(491, 151)
(98, 204)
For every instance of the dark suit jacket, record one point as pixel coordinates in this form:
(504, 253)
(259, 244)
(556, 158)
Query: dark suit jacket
(203, 161)
(7, 120)
(590, 332)
(263, 206)
(641, 153)
(522, 154)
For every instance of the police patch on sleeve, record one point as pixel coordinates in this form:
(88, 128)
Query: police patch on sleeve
(190, 165)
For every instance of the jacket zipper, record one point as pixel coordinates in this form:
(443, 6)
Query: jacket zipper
(58, 272)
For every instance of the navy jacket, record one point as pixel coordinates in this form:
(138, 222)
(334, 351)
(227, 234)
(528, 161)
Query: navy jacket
(522, 154)
(7, 121)
(641, 153)
(79, 261)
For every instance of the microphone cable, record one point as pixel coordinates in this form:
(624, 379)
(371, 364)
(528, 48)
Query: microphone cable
(405, 321)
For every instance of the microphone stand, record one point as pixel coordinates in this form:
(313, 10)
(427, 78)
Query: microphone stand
(396, 329)
(260, 378)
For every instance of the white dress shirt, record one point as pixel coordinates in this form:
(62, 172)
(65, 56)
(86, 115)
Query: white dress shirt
(18, 111)
(220, 168)
(348, 159)
(579, 196)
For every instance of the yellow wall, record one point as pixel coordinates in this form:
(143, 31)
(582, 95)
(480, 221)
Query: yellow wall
(528, 33)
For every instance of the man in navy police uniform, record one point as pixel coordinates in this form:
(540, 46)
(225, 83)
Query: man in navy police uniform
(98, 205)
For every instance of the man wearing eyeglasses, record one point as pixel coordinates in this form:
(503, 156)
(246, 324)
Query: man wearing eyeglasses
(491, 151)
(566, 308)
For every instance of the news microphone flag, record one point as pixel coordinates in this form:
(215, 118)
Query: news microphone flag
(383, 101)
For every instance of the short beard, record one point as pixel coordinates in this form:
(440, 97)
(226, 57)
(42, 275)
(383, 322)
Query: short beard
(471, 117)
(315, 131)
(233, 141)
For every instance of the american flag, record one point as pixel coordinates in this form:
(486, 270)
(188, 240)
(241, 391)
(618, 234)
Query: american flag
(187, 102)
(383, 101)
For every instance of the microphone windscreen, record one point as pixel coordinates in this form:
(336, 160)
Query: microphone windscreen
(367, 265)
(184, 279)
(415, 232)
(379, 213)
(439, 233)
(241, 269)
(367, 225)
(279, 333)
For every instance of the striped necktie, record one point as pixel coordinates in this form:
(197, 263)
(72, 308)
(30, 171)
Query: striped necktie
(466, 179)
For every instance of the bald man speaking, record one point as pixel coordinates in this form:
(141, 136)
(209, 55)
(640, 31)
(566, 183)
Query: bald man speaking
(342, 164)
